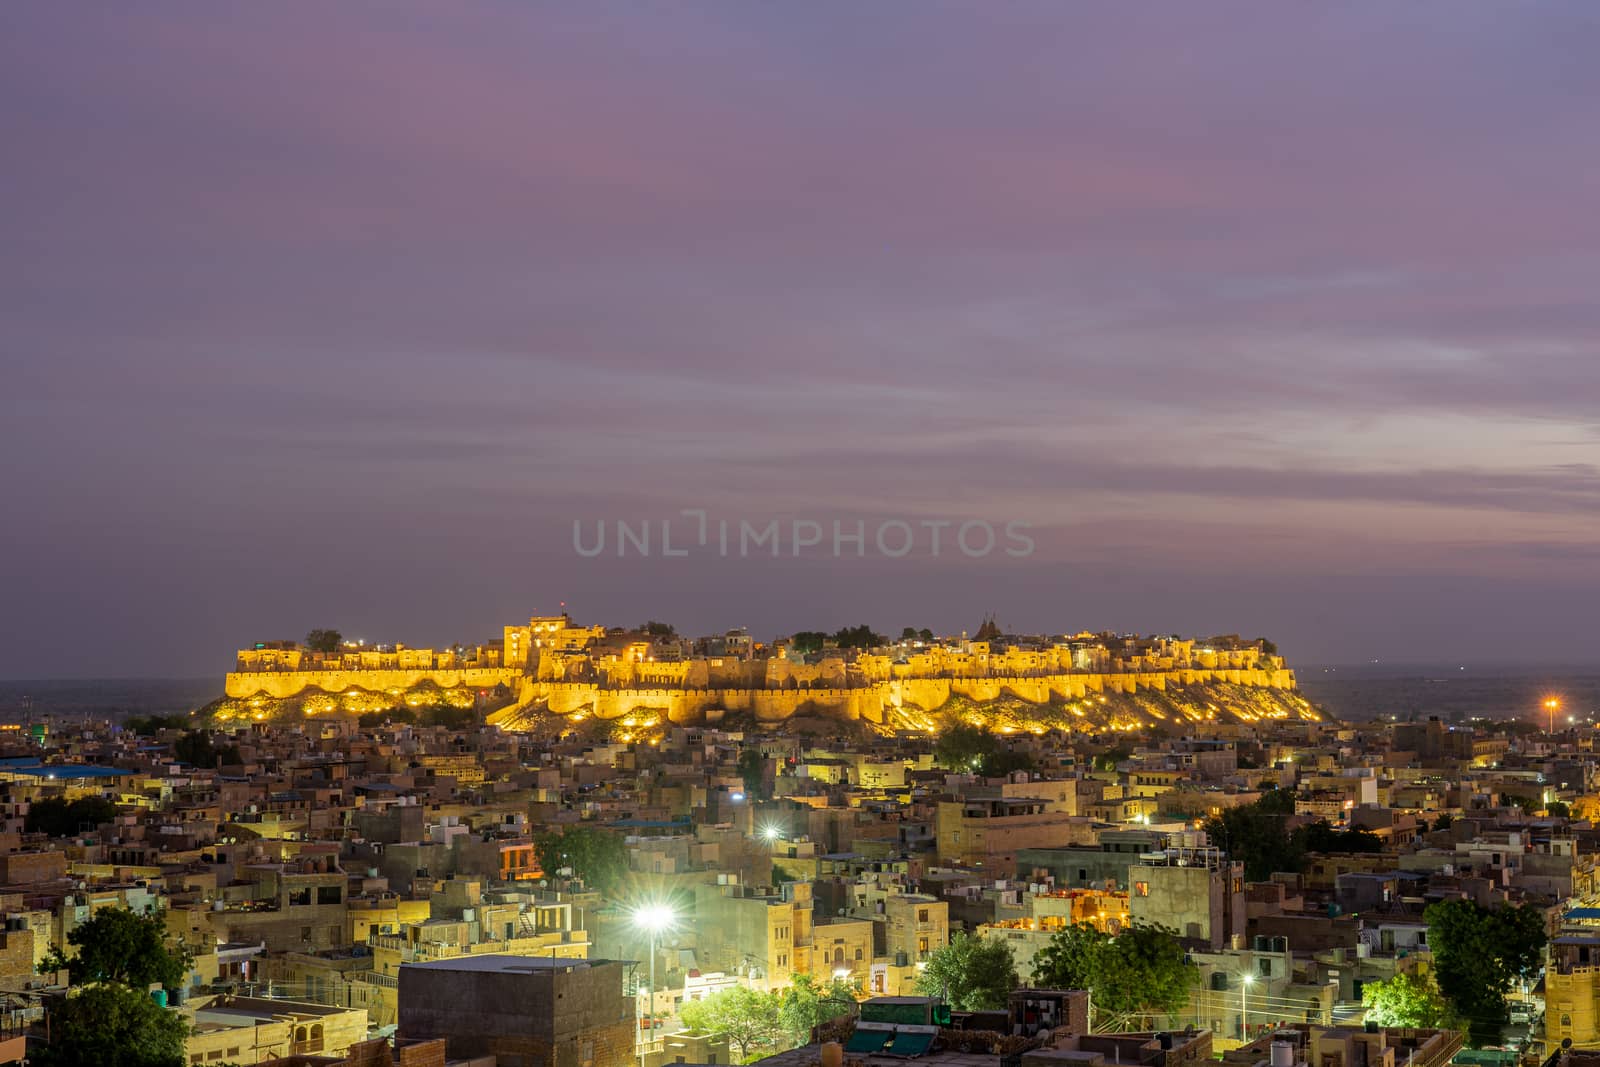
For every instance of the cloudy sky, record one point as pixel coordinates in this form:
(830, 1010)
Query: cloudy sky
(1267, 318)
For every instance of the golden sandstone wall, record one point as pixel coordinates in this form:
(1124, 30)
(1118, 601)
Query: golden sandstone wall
(282, 685)
(774, 698)
(873, 702)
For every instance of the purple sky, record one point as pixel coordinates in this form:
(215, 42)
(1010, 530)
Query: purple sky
(1269, 318)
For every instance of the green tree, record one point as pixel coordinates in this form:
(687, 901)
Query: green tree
(112, 1025)
(59, 817)
(1477, 954)
(747, 1018)
(973, 749)
(1147, 972)
(1143, 969)
(1322, 837)
(150, 725)
(971, 973)
(752, 768)
(197, 749)
(659, 629)
(1071, 959)
(120, 945)
(1255, 835)
(807, 641)
(964, 747)
(1406, 1000)
(806, 1005)
(599, 857)
(1557, 810)
(1108, 760)
(858, 637)
(324, 640)
(395, 716)
(447, 715)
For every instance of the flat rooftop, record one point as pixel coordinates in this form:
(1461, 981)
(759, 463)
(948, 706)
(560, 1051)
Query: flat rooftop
(504, 963)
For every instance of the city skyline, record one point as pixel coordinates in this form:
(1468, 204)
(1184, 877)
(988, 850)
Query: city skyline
(1265, 321)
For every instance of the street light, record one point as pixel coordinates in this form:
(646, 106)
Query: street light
(1552, 705)
(771, 832)
(1244, 991)
(652, 918)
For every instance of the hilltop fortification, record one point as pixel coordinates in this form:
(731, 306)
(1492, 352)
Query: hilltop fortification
(550, 671)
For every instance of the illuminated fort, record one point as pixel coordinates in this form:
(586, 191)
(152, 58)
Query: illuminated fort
(550, 668)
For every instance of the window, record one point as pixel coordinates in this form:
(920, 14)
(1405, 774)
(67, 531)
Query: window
(922, 915)
(858, 955)
(1141, 889)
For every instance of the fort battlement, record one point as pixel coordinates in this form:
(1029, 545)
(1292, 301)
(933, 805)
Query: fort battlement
(551, 668)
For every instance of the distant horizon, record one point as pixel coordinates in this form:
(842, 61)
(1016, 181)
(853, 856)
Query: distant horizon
(1229, 317)
(1402, 669)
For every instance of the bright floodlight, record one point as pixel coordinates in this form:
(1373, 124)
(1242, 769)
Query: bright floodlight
(653, 917)
(1249, 979)
(771, 833)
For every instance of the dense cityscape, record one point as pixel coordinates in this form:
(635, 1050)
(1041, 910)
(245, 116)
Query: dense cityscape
(811, 534)
(424, 874)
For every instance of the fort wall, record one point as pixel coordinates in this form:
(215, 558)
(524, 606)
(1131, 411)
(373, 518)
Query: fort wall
(285, 684)
(784, 695)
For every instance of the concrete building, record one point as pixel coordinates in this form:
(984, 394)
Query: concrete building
(527, 1011)
(760, 931)
(1196, 891)
(250, 1030)
(990, 832)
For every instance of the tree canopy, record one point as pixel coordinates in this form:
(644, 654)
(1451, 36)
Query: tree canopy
(746, 1017)
(112, 1025)
(806, 1005)
(1406, 1000)
(972, 974)
(123, 946)
(324, 640)
(599, 857)
(1257, 836)
(753, 770)
(60, 817)
(861, 636)
(1143, 969)
(975, 750)
(150, 725)
(1477, 954)
(197, 749)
